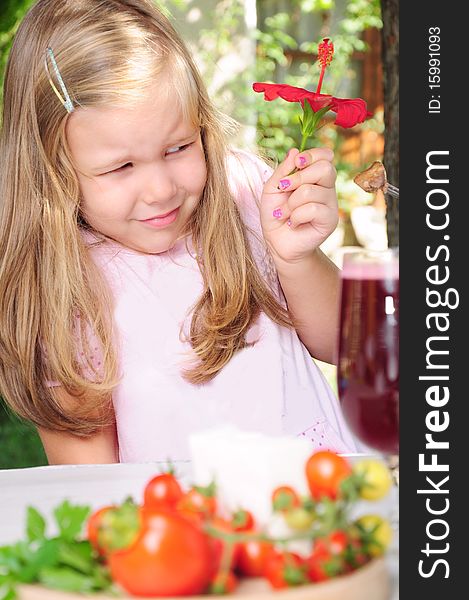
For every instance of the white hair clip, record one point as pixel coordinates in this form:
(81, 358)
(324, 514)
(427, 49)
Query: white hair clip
(65, 99)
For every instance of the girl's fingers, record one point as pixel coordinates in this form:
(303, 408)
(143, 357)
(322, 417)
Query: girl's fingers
(321, 173)
(310, 192)
(281, 213)
(318, 215)
(308, 157)
(310, 166)
(272, 185)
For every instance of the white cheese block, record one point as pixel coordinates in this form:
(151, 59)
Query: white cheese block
(248, 466)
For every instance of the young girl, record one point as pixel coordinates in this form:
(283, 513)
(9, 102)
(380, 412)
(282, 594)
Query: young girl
(146, 269)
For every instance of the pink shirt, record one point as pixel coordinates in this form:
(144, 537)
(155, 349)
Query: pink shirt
(273, 387)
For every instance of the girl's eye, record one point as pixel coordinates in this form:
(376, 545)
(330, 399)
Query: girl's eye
(119, 169)
(129, 164)
(176, 149)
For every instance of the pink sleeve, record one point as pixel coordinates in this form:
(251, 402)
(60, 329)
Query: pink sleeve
(247, 175)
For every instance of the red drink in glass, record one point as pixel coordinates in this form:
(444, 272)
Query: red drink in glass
(368, 367)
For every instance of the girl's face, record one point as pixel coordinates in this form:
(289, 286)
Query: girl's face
(141, 171)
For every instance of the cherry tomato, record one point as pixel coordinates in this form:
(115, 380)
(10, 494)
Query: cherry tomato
(375, 476)
(355, 554)
(335, 543)
(329, 556)
(325, 471)
(117, 526)
(375, 532)
(196, 518)
(321, 568)
(322, 565)
(242, 520)
(163, 491)
(199, 500)
(223, 583)
(299, 518)
(93, 526)
(253, 556)
(284, 498)
(170, 557)
(285, 570)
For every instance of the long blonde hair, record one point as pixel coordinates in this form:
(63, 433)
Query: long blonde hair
(51, 292)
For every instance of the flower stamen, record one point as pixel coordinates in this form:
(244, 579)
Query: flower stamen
(325, 55)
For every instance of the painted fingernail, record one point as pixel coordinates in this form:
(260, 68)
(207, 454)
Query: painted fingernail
(277, 213)
(284, 183)
(289, 223)
(302, 161)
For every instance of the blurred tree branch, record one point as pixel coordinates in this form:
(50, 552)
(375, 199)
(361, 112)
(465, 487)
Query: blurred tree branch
(390, 54)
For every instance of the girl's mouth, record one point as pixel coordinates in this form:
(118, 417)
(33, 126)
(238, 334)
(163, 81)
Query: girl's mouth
(162, 220)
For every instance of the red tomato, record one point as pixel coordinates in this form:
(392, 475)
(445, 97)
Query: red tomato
(253, 557)
(223, 583)
(325, 471)
(335, 543)
(93, 526)
(196, 518)
(163, 491)
(119, 527)
(170, 557)
(317, 568)
(329, 556)
(285, 498)
(242, 520)
(285, 569)
(199, 500)
(355, 555)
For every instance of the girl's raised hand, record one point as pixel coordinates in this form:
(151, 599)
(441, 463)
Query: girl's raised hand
(299, 211)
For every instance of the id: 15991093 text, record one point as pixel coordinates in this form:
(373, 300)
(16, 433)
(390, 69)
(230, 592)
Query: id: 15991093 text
(434, 70)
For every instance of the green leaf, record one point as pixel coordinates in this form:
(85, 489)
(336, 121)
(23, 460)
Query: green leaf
(46, 555)
(70, 519)
(208, 491)
(10, 562)
(65, 578)
(35, 524)
(312, 119)
(22, 550)
(7, 591)
(61, 562)
(294, 575)
(101, 578)
(308, 118)
(77, 555)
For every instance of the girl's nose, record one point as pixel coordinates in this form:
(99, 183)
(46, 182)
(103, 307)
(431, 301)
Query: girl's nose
(159, 185)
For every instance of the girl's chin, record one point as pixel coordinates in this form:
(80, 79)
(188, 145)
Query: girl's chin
(152, 247)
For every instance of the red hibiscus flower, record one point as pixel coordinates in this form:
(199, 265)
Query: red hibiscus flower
(349, 111)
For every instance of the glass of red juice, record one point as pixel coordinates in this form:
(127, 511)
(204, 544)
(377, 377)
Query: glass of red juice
(368, 361)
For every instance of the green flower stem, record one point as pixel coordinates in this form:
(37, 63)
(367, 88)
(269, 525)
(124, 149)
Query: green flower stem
(304, 139)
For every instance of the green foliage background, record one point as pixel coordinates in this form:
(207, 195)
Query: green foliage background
(282, 26)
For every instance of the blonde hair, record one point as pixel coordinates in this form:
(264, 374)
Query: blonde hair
(51, 293)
